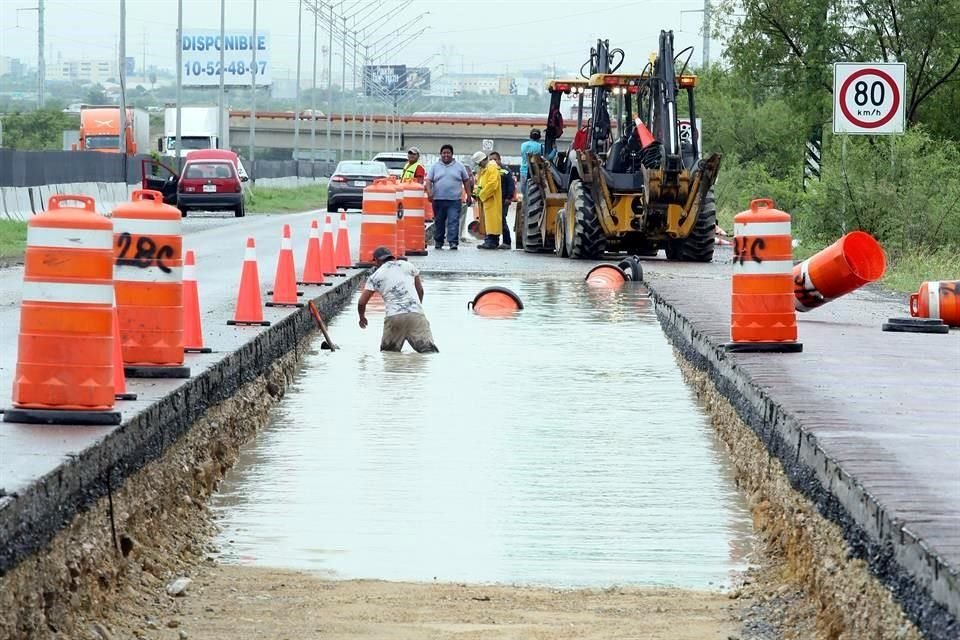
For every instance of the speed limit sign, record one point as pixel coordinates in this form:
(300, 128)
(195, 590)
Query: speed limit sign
(868, 99)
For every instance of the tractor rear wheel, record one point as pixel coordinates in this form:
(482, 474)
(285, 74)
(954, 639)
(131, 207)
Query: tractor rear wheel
(588, 239)
(534, 210)
(698, 246)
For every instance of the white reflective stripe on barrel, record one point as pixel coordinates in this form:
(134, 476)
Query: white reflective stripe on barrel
(380, 196)
(761, 229)
(140, 227)
(133, 273)
(933, 299)
(285, 244)
(69, 238)
(250, 254)
(767, 267)
(413, 213)
(34, 291)
(386, 218)
(188, 272)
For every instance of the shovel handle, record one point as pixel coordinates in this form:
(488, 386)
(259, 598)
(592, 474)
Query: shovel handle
(322, 325)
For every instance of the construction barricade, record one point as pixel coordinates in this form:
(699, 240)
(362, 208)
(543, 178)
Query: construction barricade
(64, 372)
(937, 300)
(414, 201)
(849, 263)
(763, 317)
(378, 222)
(148, 245)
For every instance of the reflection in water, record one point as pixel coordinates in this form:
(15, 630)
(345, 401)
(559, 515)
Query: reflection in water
(557, 447)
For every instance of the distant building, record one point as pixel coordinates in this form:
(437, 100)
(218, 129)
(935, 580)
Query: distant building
(95, 71)
(11, 66)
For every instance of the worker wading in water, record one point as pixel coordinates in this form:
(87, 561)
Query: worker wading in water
(490, 195)
(398, 283)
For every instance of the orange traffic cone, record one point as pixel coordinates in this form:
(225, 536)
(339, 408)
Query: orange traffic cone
(249, 309)
(312, 270)
(342, 250)
(192, 325)
(327, 261)
(119, 377)
(285, 281)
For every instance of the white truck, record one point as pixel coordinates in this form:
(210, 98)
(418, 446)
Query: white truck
(199, 129)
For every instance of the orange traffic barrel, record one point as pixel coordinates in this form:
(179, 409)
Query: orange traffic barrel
(399, 249)
(414, 202)
(427, 211)
(148, 245)
(378, 222)
(763, 317)
(64, 372)
(937, 300)
(609, 276)
(849, 263)
(496, 302)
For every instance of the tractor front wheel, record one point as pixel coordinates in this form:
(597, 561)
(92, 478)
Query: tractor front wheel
(698, 246)
(588, 239)
(533, 212)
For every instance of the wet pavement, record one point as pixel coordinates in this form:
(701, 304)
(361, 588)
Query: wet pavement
(558, 447)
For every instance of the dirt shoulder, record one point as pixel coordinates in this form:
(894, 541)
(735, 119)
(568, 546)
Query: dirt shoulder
(234, 603)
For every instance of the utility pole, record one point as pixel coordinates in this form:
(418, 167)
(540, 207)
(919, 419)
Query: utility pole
(366, 106)
(221, 131)
(329, 76)
(706, 33)
(123, 88)
(313, 93)
(343, 89)
(41, 60)
(296, 101)
(179, 72)
(353, 116)
(253, 100)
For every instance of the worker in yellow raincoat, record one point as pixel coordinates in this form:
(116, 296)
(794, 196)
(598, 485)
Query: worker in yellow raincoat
(489, 193)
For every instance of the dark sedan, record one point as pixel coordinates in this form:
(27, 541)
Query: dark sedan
(345, 190)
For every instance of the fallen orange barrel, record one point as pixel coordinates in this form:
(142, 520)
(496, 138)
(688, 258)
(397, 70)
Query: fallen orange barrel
(148, 277)
(763, 317)
(938, 300)
(606, 276)
(64, 371)
(496, 302)
(378, 223)
(849, 263)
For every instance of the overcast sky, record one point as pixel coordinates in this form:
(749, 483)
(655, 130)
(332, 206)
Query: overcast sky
(481, 36)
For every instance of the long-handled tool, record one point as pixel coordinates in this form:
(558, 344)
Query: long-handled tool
(322, 325)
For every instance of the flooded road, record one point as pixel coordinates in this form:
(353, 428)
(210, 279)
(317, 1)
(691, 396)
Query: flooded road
(559, 447)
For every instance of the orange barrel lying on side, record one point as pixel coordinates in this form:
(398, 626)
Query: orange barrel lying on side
(849, 263)
(496, 302)
(605, 276)
(64, 371)
(148, 241)
(937, 299)
(763, 317)
(414, 201)
(378, 223)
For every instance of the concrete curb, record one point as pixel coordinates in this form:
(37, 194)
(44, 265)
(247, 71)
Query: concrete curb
(30, 520)
(921, 582)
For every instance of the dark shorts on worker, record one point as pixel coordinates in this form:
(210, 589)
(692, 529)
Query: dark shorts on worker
(413, 328)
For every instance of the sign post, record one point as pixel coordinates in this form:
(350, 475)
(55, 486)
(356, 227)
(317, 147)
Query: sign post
(868, 99)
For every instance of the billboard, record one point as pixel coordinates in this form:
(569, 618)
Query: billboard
(381, 80)
(418, 78)
(200, 51)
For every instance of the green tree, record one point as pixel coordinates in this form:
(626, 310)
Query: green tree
(97, 96)
(35, 130)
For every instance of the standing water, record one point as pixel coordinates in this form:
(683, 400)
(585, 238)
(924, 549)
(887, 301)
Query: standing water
(558, 447)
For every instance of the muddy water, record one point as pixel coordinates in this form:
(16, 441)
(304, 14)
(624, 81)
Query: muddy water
(559, 447)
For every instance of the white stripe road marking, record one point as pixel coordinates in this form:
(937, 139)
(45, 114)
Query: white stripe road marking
(761, 229)
(380, 197)
(139, 227)
(933, 299)
(69, 238)
(188, 273)
(413, 213)
(767, 267)
(133, 273)
(35, 291)
(367, 218)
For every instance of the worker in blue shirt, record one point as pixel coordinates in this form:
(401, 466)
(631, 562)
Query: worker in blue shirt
(533, 145)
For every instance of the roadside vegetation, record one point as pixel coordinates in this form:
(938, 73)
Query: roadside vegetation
(760, 110)
(286, 200)
(13, 237)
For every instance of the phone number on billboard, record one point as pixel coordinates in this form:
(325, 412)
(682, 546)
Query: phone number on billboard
(211, 68)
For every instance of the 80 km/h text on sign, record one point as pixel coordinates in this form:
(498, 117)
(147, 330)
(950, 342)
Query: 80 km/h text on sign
(201, 58)
(868, 99)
